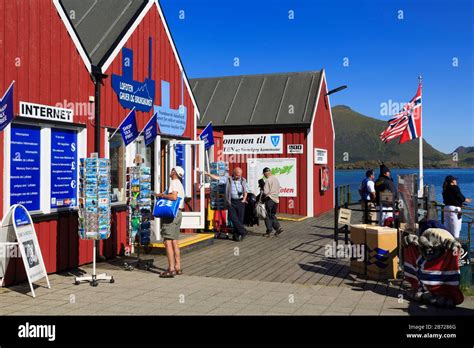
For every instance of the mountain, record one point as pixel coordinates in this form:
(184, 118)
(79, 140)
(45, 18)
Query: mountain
(465, 155)
(358, 145)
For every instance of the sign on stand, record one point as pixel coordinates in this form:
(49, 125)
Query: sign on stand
(26, 241)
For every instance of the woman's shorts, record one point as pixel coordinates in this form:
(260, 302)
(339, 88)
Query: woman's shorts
(170, 228)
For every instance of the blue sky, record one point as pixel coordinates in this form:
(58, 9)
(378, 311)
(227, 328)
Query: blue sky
(385, 54)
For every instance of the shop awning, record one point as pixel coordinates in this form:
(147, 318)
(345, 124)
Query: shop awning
(257, 100)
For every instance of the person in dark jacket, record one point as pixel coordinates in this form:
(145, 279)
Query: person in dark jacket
(385, 183)
(453, 200)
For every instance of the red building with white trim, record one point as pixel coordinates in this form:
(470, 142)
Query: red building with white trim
(50, 48)
(291, 107)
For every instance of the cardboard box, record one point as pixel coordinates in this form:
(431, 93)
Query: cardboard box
(382, 252)
(358, 240)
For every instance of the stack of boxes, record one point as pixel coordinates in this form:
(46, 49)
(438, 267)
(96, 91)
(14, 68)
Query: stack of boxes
(381, 252)
(94, 198)
(139, 203)
(218, 189)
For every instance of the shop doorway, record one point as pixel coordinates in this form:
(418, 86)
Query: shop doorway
(188, 154)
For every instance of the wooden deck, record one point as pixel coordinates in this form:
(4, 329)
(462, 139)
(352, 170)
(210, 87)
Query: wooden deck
(295, 256)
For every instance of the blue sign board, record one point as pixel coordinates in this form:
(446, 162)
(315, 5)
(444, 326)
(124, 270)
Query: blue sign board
(25, 166)
(170, 121)
(131, 93)
(63, 168)
(20, 216)
(181, 159)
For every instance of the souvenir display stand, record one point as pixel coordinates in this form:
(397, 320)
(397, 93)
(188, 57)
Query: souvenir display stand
(94, 208)
(139, 207)
(217, 197)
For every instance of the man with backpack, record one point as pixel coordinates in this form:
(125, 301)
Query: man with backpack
(236, 193)
(367, 198)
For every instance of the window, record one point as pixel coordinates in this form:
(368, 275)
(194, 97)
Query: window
(42, 172)
(117, 167)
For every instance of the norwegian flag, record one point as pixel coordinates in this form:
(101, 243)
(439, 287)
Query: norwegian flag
(407, 123)
(439, 276)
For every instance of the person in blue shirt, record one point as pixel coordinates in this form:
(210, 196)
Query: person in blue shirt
(236, 193)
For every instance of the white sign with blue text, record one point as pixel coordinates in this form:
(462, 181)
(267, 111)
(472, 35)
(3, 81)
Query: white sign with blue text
(27, 242)
(253, 144)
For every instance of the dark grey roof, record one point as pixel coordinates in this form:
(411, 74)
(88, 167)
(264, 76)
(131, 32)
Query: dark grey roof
(101, 24)
(267, 99)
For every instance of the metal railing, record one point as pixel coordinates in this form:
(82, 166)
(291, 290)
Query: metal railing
(467, 214)
(343, 199)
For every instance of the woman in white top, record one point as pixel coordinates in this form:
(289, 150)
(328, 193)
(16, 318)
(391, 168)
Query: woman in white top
(171, 227)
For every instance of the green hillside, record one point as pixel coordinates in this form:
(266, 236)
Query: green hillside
(357, 137)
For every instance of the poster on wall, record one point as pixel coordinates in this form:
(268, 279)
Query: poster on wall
(283, 168)
(25, 166)
(171, 121)
(253, 144)
(63, 168)
(324, 179)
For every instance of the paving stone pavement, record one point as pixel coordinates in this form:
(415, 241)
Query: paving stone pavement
(144, 293)
(286, 275)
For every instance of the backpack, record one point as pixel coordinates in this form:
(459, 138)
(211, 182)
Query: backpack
(363, 192)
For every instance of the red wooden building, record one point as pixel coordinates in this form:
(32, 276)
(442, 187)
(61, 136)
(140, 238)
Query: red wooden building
(279, 121)
(51, 48)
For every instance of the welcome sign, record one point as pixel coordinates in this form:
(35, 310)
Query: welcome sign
(283, 168)
(253, 144)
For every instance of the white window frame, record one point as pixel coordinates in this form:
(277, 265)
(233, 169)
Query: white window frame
(107, 134)
(45, 164)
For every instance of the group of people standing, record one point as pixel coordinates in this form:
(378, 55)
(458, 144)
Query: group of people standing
(236, 197)
(370, 190)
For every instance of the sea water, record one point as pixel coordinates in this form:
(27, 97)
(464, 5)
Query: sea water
(431, 177)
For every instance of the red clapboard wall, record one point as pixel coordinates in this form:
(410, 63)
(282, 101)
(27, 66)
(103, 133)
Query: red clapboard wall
(323, 134)
(37, 52)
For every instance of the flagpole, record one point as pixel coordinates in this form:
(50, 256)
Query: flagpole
(420, 150)
(116, 129)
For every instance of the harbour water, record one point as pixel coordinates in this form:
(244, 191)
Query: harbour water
(431, 177)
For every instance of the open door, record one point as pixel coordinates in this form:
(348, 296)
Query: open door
(189, 154)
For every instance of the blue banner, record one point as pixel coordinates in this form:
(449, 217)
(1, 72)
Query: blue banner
(131, 93)
(181, 159)
(129, 129)
(207, 136)
(171, 121)
(25, 166)
(63, 168)
(6, 108)
(150, 131)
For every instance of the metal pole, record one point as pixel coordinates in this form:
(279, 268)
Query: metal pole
(420, 150)
(97, 77)
(336, 192)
